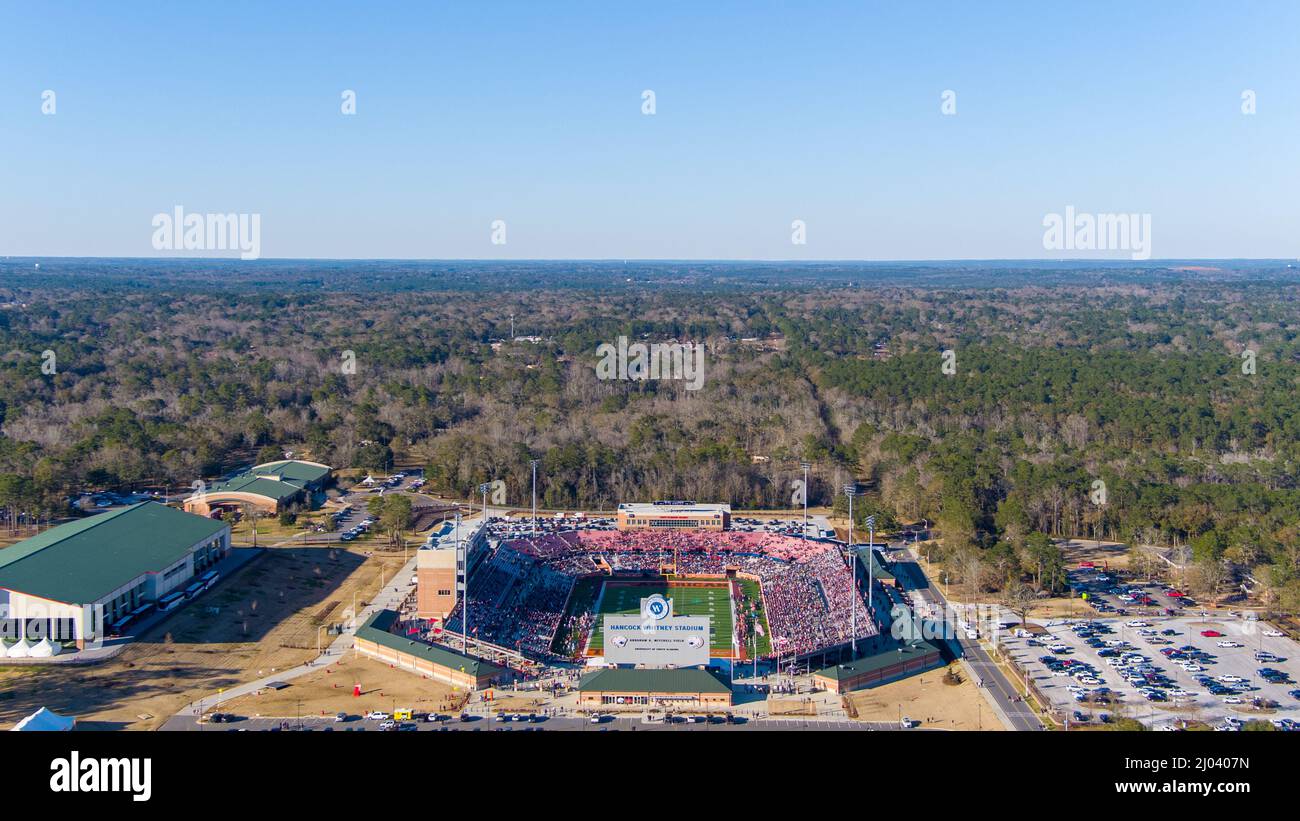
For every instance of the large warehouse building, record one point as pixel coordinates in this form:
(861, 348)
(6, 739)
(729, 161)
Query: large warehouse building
(73, 581)
(269, 488)
(673, 516)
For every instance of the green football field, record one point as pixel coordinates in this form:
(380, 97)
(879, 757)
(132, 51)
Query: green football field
(714, 602)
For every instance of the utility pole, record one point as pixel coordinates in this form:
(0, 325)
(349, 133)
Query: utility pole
(805, 465)
(850, 491)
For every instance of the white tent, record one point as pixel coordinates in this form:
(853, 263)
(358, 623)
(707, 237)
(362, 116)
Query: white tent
(44, 720)
(44, 649)
(20, 650)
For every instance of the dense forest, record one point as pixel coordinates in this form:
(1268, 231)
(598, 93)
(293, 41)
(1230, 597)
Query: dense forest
(1154, 405)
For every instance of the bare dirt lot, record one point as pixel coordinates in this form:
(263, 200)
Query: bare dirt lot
(1112, 555)
(263, 618)
(330, 691)
(927, 699)
(791, 707)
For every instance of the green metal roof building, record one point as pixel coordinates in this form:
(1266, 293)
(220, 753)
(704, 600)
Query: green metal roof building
(899, 661)
(375, 639)
(275, 489)
(269, 488)
(626, 687)
(312, 475)
(97, 570)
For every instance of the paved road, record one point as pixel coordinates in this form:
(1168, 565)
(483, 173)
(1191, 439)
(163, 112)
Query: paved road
(995, 683)
(482, 724)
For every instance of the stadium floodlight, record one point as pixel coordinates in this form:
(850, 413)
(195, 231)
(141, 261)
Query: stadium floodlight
(806, 465)
(462, 586)
(871, 566)
(533, 463)
(850, 491)
(484, 488)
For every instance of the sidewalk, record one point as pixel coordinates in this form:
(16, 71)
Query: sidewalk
(388, 599)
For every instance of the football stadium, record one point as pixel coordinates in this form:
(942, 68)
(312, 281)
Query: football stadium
(765, 594)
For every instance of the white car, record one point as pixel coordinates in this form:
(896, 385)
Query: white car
(1229, 644)
(1136, 623)
(1231, 700)
(1193, 668)
(377, 715)
(1230, 679)
(1277, 634)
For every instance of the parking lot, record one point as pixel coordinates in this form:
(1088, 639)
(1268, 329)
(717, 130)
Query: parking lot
(1161, 669)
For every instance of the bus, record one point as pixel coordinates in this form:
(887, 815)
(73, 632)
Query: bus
(170, 602)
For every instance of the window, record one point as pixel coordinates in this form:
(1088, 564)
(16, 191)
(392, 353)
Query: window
(175, 571)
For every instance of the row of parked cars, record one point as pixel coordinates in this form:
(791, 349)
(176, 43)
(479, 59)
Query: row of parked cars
(359, 529)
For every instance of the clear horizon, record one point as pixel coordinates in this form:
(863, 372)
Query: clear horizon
(873, 133)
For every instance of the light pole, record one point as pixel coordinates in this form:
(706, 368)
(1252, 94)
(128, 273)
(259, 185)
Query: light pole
(462, 581)
(871, 568)
(483, 488)
(533, 463)
(850, 491)
(805, 465)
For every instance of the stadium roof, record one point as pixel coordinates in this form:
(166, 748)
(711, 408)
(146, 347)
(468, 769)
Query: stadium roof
(80, 562)
(258, 485)
(647, 508)
(880, 572)
(625, 680)
(293, 469)
(376, 629)
(878, 661)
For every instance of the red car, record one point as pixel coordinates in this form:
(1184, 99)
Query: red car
(1174, 594)
(1212, 634)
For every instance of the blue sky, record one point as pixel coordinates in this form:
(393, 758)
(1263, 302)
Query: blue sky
(766, 113)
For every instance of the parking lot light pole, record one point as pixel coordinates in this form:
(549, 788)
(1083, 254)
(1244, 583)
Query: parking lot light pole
(483, 488)
(805, 465)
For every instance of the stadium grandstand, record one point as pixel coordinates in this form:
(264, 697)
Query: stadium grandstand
(766, 593)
